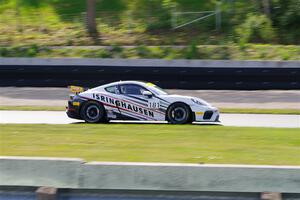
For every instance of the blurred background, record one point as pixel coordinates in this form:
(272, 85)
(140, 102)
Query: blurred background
(171, 29)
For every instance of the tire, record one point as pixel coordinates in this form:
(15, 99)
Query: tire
(93, 112)
(179, 113)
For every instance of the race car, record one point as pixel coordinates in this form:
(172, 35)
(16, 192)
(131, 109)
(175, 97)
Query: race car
(137, 100)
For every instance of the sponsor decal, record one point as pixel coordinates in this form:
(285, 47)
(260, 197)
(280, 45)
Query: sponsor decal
(122, 104)
(150, 84)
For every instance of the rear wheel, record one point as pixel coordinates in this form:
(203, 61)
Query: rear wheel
(179, 113)
(93, 112)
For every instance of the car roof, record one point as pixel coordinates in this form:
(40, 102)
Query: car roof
(125, 82)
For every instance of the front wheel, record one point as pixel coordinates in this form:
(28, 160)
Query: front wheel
(179, 113)
(93, 112)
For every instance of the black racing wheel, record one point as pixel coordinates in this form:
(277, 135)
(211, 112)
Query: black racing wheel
(179, 113)
(93, 112)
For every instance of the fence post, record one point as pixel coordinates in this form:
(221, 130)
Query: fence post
(218, 16)
(174, 17)
(19, 26)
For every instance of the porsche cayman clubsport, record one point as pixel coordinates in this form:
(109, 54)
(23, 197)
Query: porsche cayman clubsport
(136, 100)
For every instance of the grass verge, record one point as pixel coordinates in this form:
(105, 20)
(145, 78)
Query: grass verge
(214, 52)
(155, 143)
(222, 110)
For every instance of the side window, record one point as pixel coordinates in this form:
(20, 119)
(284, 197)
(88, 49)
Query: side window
(131, 89)
(112, 89)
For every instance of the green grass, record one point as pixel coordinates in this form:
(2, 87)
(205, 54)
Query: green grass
(222, 110)
(154, 143)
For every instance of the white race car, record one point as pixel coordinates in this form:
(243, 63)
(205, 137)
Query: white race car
(136, 100)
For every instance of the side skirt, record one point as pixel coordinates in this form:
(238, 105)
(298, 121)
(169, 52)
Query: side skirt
(123, 117)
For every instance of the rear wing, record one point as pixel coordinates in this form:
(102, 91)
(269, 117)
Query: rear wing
(76, 89)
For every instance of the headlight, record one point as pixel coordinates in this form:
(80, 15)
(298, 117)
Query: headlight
(196, 101)
(200, 102)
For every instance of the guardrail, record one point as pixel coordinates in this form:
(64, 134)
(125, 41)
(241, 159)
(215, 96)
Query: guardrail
(179, 74)
(75, 173)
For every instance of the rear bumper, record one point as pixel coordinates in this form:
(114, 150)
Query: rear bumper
(73, 111)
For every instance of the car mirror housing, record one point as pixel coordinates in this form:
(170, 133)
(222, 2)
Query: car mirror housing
(147, 94)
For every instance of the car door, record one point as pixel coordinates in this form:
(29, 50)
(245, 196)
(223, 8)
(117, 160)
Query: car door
(110, 99)
(135, 104)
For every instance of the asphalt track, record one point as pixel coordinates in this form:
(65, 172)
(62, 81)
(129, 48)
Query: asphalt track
(239, 120)
(264, 99)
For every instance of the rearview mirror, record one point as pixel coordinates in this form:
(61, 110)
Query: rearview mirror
(147, 94)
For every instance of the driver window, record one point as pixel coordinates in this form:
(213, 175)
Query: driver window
(131, 89)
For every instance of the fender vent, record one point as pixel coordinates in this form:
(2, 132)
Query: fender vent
(208, 114)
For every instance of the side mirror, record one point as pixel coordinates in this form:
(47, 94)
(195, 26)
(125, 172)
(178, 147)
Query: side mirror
(147, 94)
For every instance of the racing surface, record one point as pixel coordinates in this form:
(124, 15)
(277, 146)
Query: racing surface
(289, 99)
(271, 99)
(239, 120)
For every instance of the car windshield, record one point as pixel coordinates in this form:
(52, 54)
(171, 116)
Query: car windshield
(157, 89)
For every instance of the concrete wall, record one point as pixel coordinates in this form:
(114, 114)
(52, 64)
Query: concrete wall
(22, 171)
(147, 62)
(169, 74)
(226, 178)
(74, 173)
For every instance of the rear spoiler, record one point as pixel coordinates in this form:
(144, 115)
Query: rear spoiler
(77, 89)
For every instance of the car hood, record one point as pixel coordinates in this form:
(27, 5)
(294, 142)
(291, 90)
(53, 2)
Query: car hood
(186, 99)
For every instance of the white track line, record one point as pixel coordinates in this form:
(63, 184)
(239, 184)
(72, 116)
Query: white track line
(242, 120)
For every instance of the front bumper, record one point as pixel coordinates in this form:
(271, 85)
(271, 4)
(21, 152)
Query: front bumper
(208, 115)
